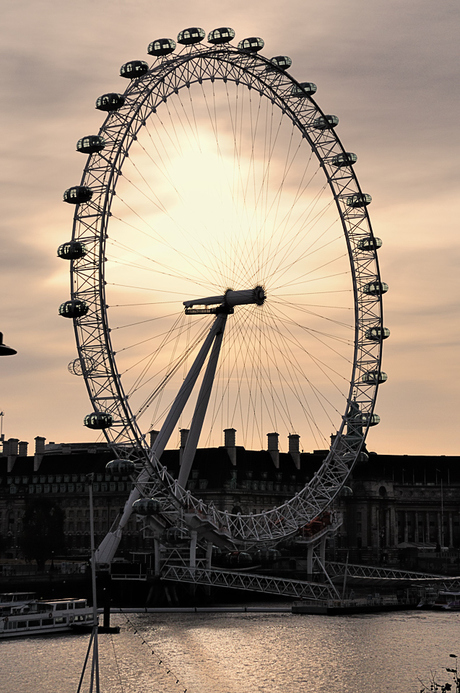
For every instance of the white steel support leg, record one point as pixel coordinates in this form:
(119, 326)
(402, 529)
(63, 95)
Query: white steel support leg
(186, 389)
(310, 562)
(322, 550)
(156, 556)
(209, 546)
(200, 409)
(109, 544)
(193, 545)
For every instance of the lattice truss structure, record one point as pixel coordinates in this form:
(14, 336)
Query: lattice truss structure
(145, 101)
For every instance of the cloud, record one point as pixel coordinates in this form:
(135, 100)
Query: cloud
(389, 70)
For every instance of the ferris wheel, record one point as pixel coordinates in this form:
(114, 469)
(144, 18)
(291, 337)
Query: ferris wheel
(224, 273)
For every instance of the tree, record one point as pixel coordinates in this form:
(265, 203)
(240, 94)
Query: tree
(445, 687)
(42, 534)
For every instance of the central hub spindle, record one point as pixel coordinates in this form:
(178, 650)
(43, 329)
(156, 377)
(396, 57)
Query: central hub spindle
(225, 303)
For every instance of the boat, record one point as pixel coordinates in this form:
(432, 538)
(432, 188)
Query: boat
(28, 616)
(9, 599)
(448, 600)
(445, 600)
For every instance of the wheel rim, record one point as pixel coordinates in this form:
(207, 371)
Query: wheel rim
(233, 139)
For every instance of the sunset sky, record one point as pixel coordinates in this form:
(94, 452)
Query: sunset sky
(388, 68)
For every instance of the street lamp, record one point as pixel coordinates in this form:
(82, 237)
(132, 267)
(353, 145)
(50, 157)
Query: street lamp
(4, 349)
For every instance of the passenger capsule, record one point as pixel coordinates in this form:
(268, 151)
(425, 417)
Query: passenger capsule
(375, 288)
(133, 69)
(72, 250)
(120, 467)
(374, 377)
(344, 159)
(175, 535)
(91, 144)
(303, 89)
(370, 243)
(376, 334)
(73, 308)
(254, 44)
(146, 506)
(370, 419)
(77, 194)
(110, 102)
(238, 559)
(282, 62)
(192, 35)
(222, 35)
(267, 555)
(98, 420)
(163, 46)
(326, 122)
(358, 200)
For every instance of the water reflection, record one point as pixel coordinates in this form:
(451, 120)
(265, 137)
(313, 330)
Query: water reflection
(242, 653)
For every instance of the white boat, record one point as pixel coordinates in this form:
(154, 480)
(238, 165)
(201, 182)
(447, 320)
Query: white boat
(448, 600)
(42, 617)
(9, 599)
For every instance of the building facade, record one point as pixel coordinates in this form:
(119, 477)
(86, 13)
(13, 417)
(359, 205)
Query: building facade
(394, 506)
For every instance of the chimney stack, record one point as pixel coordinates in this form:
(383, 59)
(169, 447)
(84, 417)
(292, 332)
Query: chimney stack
(273, 448)
(153, 436)
(294, 448)
(229, 442)
(39, 451)
(23, 448)
(12, 452)
(183, 442)
(12, 444)
(39, 445)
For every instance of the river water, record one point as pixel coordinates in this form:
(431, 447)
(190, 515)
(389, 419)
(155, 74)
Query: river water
(242, 653)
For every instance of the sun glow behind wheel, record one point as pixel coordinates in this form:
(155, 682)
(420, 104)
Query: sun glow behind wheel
(216, 171)
(221, 191)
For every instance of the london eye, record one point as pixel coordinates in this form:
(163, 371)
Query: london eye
(224, 275)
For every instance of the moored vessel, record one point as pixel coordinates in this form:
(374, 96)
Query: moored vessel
(42, 617)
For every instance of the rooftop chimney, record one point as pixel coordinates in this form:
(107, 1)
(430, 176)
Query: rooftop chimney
(294, 449)
(153, 436)
(12, 446)
(273, 448)
(229, 442)
(39, 445)
(12, 452)
(23, 448)
(183, 442)
(39, 451)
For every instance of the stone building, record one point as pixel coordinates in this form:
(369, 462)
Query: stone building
(403, 506)
(395, 507)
